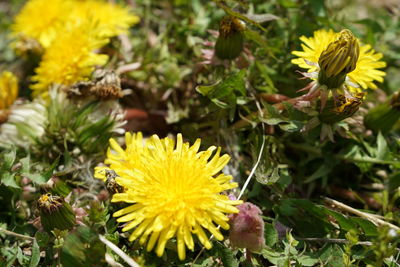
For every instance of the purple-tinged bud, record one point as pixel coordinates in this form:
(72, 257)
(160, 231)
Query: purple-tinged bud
(247, 228)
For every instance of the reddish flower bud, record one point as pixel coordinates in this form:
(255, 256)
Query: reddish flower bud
(247, 228)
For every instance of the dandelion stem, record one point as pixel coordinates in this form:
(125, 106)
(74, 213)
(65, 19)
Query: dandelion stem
(119, 252)
(365, 215)
(15, 234)
(335, 240)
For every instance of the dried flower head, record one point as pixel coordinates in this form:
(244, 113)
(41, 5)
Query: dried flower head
(247, 228)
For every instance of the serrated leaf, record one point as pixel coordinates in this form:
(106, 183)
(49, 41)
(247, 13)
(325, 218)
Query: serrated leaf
(8, 179)
(225, 92)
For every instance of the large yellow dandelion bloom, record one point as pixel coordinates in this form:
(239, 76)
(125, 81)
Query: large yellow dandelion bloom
(8, 89)
(175, 191)
(42, 19)
(367, 67)
(71, 58)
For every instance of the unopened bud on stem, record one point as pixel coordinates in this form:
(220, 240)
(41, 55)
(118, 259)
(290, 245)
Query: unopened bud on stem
(338, 59)
(55, 213)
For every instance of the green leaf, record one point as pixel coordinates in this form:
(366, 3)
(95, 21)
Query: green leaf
(226, 254)
(225, 92)
(382, 151)
(270, 234)
(42, 238)
(36, 178)
(35, 258)
(307, 260)
(367, 226)
(9, 159)
(8, 180)
(82, 248)
(344, 222)
(332, 256)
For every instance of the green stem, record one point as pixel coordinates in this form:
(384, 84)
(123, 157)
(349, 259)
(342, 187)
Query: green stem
(16, 234)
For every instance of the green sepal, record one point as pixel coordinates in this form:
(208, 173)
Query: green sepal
(62, 218)
(229, 47)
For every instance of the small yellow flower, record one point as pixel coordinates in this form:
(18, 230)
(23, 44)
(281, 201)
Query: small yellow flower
(175, 191)
(8, 89)
(70, 58)
(364, 73)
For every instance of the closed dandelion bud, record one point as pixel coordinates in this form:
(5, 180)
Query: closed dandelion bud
(338, 59)
(230, 40)
(383, 117)
(247, 228)
(55, 213)
(340, 108)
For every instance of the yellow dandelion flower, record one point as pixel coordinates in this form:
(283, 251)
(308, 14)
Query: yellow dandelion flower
(111, 19)
(8, 89)
(366, 70)
(175, 191)
(70, 58)
(42, 19)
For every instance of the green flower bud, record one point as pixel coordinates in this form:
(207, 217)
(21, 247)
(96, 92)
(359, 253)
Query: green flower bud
(230, 41)
(341, 108)
(338, 59)
(384, 116)
(55, 213)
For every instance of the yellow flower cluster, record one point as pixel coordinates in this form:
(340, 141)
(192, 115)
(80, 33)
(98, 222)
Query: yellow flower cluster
(174, 189)
(71, 32)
